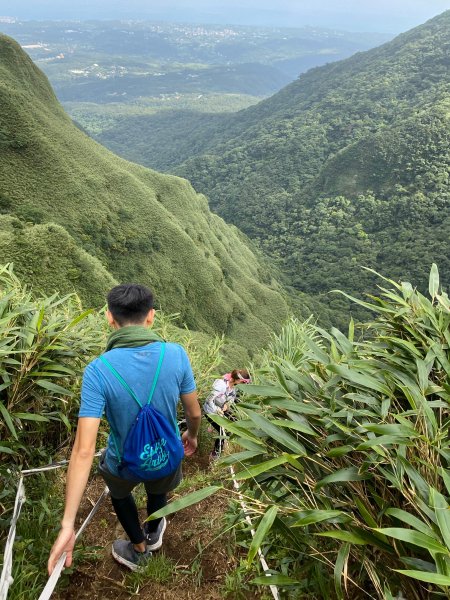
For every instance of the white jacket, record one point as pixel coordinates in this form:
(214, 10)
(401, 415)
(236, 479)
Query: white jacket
(220, 396)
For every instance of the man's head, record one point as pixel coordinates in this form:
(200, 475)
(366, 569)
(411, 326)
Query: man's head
(130, 304)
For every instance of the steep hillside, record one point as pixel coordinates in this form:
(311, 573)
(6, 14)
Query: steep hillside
(49, 258)
(113, 220)
(347, 166)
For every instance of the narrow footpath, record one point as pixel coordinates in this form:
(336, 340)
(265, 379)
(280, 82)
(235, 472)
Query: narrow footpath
(192, 563)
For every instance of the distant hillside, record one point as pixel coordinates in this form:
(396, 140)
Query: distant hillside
(255, 79)
(165, 139)
(78, 217)
(347, 166)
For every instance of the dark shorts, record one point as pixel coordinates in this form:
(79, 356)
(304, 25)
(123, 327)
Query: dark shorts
(120, 488)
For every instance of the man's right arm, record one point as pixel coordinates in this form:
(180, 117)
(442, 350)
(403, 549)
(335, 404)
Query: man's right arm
(193, 416)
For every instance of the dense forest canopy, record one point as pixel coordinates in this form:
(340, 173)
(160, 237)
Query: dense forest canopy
(347, 166)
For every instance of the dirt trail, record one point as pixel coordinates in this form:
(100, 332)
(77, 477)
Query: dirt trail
(105, 579)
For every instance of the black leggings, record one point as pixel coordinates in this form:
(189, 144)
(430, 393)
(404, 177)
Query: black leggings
(127, 514)
(219, 441)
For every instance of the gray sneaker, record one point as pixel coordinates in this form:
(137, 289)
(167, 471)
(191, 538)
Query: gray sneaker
(125, 554)
(154, 538)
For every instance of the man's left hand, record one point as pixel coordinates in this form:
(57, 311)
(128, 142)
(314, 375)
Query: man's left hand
(65, 542)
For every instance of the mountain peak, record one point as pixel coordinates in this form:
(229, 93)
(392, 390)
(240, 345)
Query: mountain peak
(18, 73)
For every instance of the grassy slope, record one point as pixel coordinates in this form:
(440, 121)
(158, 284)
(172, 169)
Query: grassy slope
(36, 251)
(139, 224)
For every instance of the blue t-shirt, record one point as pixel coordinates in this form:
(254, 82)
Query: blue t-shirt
(102, 393)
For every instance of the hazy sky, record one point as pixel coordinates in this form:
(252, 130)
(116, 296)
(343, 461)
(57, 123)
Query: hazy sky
(358, 15)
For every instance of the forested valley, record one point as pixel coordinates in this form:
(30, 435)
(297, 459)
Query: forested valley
(346, 167)
(304, 236)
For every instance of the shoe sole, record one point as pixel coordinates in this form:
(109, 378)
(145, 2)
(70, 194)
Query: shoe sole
(158, 544)
(123, 561)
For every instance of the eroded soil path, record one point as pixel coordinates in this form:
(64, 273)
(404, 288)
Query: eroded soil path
(197, 574)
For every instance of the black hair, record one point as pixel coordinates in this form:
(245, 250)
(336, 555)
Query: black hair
(129, 303)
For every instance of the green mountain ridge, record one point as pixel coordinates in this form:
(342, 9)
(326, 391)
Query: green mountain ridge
(76, 217)
(346, 166)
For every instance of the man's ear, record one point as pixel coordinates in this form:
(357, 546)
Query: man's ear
(110, 318)
(150, 317)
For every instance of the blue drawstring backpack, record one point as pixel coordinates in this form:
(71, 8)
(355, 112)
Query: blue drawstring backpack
(152, 448)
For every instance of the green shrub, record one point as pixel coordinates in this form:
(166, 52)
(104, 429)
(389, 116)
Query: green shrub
(345, 452)
(45, 344)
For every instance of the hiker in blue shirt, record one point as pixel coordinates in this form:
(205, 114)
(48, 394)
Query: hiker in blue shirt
(137, 367)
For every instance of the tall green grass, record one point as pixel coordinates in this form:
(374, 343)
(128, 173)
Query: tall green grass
(344, 452)
(45, 343)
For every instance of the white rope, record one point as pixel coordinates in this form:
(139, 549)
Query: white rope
(6, 579)
(53, 579)
(56, 465)
(265, 566)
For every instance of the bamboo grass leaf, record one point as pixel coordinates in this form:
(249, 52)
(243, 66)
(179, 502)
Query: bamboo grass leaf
(343, 476)
(411, 520)
(8, 420)
(299, 407)
(436, 578)
(340, 451)
(280, 580)
(65, 420)
(416, 538)
(344, 343)
(368, 518)
(309, 517)
(317, 352)
(277, 433)
(268, 391)
(340, 569)
(184, 502)
(237, 430)
(302, 427)
(419, 482)
(446, 478)
(385, 440)
(371, 307)
(362, 379)
(351, 330)
(418, 564)
(31, 417)
(239, 457)
(250, 444)
(261, 468)
(261, 532)
(442, 511)
(282, 380)
(79, 318)
(53, 387)
(345, 536)
(433, 284)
